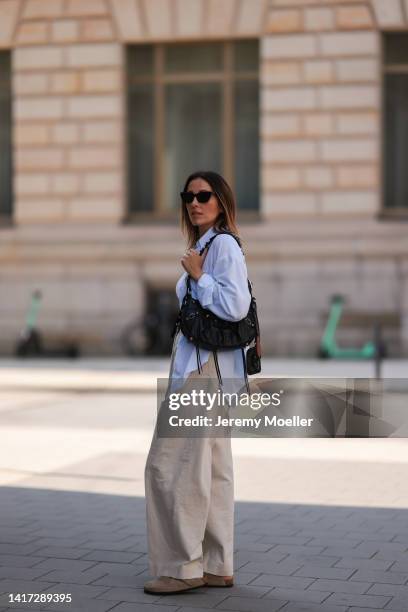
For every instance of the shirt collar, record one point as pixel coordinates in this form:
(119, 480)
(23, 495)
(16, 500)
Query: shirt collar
(205, 237)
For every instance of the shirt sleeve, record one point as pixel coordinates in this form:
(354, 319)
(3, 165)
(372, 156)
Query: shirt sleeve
(181, 288)
(225, 291)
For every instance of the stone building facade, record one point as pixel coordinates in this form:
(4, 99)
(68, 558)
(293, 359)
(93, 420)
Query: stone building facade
(323, 224)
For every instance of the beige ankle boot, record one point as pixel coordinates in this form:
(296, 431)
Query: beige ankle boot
(166, 585)
(212, 580)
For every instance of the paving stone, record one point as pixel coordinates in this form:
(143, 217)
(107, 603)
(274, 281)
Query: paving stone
(354, 609)
(382, 547)
(290, 607)
(111, 556)
(398, 604)
(314, 560)
(53, 535)
(254, 530)
(240, 591)
(398, 566)
(63, 543)
(80, 591)
(345, 551)
(23, 586)
(19, 549)
(242, 577)
(140, 567)
(117, 569)
(299, 595)
(19, 561)
(316, 571)
(401, 538)
(113, 580)
(253, 546)
(367, 601)
(299, 607)
(24, 609)
(197, 598)
(74, 577)
(80, 604)
(328, 540)
(111, 545)
(368, 536)
(312, 531)
(21, 539)
(281, 569)
(389, 577)
(4, 599)
(289, 540)
(130, 607)
(242, 557)
(397, 526)
(396, 590)
(61, 552)
(21, 573)
(75, 565)
(290, 582)
(193, 609)
(248, 604)
(393, 555)
(371, 564)
(293, 549)
(340, 586)
(127, 594)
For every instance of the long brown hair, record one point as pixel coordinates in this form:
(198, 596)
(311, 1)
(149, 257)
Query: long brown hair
(223, 192)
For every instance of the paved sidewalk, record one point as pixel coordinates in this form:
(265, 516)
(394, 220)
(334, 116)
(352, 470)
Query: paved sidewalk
(289, 557)
(321, 524)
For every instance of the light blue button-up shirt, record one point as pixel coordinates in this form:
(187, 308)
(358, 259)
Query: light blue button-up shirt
(223, 289)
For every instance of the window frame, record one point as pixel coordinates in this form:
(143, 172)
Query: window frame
(390, 213)
(159, 79)
(7, 200)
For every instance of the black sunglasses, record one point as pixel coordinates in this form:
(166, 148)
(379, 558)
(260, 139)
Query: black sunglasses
(202, 196)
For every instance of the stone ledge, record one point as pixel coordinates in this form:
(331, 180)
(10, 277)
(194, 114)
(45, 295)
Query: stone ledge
(293, 248)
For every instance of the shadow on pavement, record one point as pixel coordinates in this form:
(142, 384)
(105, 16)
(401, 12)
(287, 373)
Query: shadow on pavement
(288, 557)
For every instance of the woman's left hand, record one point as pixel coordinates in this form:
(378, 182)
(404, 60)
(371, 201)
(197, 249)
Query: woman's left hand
(192, 262)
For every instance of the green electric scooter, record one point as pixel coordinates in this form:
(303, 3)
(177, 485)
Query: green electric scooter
(328, 346)
(30, 341)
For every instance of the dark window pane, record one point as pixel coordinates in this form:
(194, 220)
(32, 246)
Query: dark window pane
(246, 55)
(193, 57)
(246, 147)
(6, 171)
(396, 48)
(140, 60)
(140, 134)
(396, 140)
(193, 119)
(193, 130)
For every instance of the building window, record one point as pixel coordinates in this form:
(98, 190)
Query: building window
(395, 124)
(5, 137)
(191, 106)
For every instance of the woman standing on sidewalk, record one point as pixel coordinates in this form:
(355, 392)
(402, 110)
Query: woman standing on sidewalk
(189, 480)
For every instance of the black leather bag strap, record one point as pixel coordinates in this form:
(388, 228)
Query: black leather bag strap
(209, 242)
(207, 245)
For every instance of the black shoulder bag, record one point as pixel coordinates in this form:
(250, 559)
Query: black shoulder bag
(206, 330)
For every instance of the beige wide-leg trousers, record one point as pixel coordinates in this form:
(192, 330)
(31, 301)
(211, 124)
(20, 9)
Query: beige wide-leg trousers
(189, 487)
